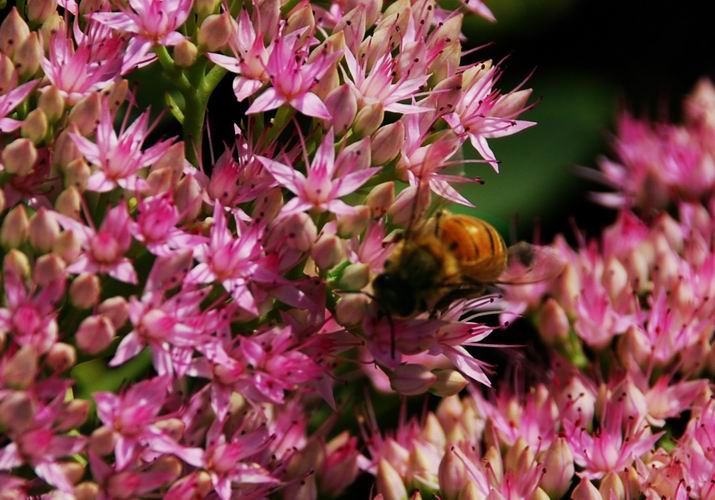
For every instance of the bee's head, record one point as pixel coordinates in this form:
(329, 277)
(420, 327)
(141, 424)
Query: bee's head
(394, 294)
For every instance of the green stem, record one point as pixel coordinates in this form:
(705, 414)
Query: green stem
(172, 70)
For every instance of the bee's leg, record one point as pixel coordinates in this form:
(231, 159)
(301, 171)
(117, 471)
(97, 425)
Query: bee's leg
(437, 218)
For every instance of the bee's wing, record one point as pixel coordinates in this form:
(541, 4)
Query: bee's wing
(529, 264)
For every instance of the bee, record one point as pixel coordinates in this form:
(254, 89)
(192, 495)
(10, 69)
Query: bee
(453, 256)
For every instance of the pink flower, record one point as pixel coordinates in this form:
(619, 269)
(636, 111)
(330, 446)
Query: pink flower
(482, 112)
(292, 77)
(376, 87)
(10, 101)
(119, 158)
(156, 227)
(104, 249)
(320, 189)
(90, 64)
(249, 60)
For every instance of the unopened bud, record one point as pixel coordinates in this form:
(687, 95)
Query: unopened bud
(85, 113)
(214, 32)
(578, 402)
(449, 382)
(17, 411)
(559, 468)
(327, 251)
(268, 205)
(27, 56)
(169, 270)
(368, 120)
(342, 105)
(355, 222)
(34, 127)
(380, 198)
(615, 278)
(65, 150)
(49, 268)
(77, 174)
(95, 334)
(353, 158)
(185, 53)
(43, 230)
(389, 482)
(67, 246)
(39, 10)
(553, 323)
(187, 197)
(387, 142)
(61, 357)
(52, 25)
(432, 431)
(13, 32)
(586, 491)
(68, 202)
(408, 205)
(452, 475)
(633, 348)
(86, 490)
(73, 471)
(116, 309)
(354, 277)
(19, 157)
(73, 415)
(301, 18)
(470, 491)
(611, 487)
(20, 371)
(102, 441)
(8, 75)
(117, 95)
(411, 379)
(2, 201)
(15, 262)
(516, 454)
(84, 291)
(15, 227)
(351, 309)
(300, 231)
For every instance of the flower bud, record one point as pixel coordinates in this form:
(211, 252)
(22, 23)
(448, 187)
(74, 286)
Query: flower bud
(117, 95)
(34, 127)
(187, 197)
(380, 198)
(389, 482)
(615, 278)
(268, 205)
(634, 403)
(43, 230)
(519, 453)
(116, 309)
(159, 181)
(633, 348)
(95, 334)
(39, 10)
(27, 56)
(559, 468)
(470, 491)
(169, 270)
(68, 203)
(327, 251)
(449, 382)
(15, 262)
(17, 411)
(102, 441)
(353, 223)
(85, 113)
(86, 490)
(20, 371)
(73, 471)
(586, 491)
(577, 402)
(305, 489)
(65, 150)
(553, 323)
(53, 24)
(214, 32)
(452, 475)
(185, 53)
(568, 288)
(411, 379)
(368, 120)
(539, 494)
(19, 157)
(61, 357)
(301, 18)
(67, 246)
(8, 75)
(13, 32)
(300, 231)
(73, 415)
(84, 291)
(387, 143)
(2, 201)
(432, 431)
(611, 487)
(342, 105)
(354, 277)
(49, 268)
(353, 158)
(351, 309)
(14, 228)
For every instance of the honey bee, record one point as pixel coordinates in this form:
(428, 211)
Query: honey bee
(453, 256)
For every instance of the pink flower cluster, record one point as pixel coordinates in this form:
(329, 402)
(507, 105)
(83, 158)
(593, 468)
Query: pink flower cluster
(218, 307)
